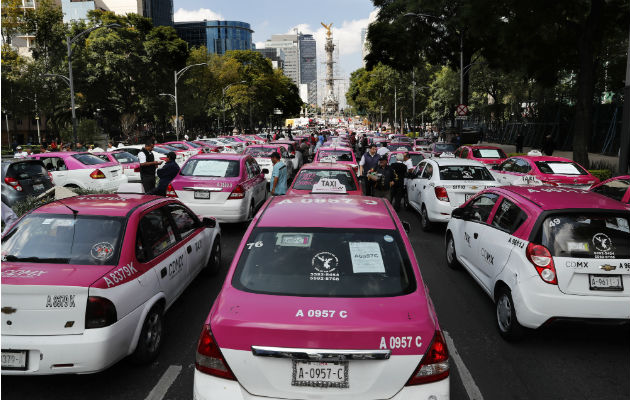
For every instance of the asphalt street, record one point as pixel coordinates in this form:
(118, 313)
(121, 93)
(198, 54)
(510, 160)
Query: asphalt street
(568, 361)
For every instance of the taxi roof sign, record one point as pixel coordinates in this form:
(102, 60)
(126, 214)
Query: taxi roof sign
(327, 185)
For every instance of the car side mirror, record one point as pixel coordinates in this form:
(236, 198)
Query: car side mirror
(460, 213)
(265, 171)
(496, 167)
(407, 226)
(209, 222)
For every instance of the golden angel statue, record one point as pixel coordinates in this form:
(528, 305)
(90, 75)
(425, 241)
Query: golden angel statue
(328, 31)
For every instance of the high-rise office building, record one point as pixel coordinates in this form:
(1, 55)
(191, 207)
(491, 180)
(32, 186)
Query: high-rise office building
(217, 36)
(300, 63)
(364, 45)
(275, 55)
(160, 11)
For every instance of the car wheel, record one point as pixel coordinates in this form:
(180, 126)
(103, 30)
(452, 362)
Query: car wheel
(406, 201)
(425, 224)
(508, 325)
(150, 339)
(214, 261)
(251, 212)
(451, 256)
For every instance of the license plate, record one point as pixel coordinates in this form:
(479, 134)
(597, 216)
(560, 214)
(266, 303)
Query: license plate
(320, 374)
(467, 196)
(605, 282)
(202, 194)
(38, 187)
(14, 359)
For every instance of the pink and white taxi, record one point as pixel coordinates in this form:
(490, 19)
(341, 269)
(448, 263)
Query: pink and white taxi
(325, 178)
(485, 154)
(228, 187)
(556, 171)
(617, 188)
(341, 155)
(545, 253)
(329, 307)
(86, 281)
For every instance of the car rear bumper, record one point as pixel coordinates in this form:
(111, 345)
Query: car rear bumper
(92, 351)
(106, 184)
(208, 387)
(228, 211)
(537, 302)
(439, 211)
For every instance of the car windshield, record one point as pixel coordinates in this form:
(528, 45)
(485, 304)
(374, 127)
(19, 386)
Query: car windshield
(587, 235)
(194, 145)
(334, 155)
(560, 168)
(465, 172)
(170, 148)
(325, 263)
(488, 153)
(260, 151)
(416, 158)
(400, 146)
(125, 158)
(161, 150)
(178, 146)
(309, 177)
(25, 170)
(211, 168)
(64, 239)
(88, 159)
(443, 147)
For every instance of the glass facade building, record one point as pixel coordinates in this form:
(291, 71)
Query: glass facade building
(217, 36)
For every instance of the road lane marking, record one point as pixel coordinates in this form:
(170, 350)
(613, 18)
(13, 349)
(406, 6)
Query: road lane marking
(469, 383)
(159, 390)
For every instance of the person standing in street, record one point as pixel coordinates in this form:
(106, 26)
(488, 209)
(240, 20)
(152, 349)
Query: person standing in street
(548, 146)
(399, 172)
(383, 150)
(80, 147)
(148, 165)
(519, 142)
(278, 175)
(368, 163)
(381, 179)
(166, 174)
(110, 146)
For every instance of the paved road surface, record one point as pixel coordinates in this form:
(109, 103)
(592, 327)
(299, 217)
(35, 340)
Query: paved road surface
(562, 362)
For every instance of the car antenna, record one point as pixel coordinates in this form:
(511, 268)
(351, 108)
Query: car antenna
(74, 212)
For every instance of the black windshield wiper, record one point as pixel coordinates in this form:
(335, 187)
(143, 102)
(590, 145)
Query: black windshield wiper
(53, 260)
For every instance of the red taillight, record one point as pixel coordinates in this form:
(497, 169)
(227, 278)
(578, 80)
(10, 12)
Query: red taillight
(97, 174)
(441, 193)
(14, 183)
(50, 176)
(434, 365)
(209, 359)
(170, 192)
(137, 169)
(165, 159)
(542, 260)
(237, 193)
(100, 312)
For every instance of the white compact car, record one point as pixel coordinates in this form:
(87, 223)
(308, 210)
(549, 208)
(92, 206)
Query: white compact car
(439, 185)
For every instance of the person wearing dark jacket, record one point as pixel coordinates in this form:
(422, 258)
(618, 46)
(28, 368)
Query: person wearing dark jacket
(548, 146)
(519, 142)
(399, 172)
(166, 174)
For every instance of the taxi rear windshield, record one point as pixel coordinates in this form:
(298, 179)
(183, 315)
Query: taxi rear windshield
(561, 168)
(339, 155)
(260, 151)
(88, 159)
(309, 177)
(211, 168)
(445, 147)
(488, 153)
(125, 158)
(64, 239)
(325, 263)
(465, 172)
(587, 235)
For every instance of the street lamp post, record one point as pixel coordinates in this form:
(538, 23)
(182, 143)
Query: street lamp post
(223, 98)
(177, 75)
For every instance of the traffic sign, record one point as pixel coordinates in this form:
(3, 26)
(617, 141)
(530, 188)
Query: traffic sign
(462, 109)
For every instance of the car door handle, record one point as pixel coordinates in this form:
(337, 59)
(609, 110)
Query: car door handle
(189, 249)
(475, 235)
(163, 272)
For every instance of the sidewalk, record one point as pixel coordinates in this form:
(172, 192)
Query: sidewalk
(593, 157)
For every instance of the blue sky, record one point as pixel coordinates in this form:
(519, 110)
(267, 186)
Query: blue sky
(269, 17)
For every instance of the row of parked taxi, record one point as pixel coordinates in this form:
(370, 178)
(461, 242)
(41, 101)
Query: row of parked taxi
(330, 306)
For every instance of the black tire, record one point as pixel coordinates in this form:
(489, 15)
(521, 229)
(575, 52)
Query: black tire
(150, 340)
(507, 322)
(425, 223)
(251, 212)
(451, 255)
(214, 261)
(406, 201)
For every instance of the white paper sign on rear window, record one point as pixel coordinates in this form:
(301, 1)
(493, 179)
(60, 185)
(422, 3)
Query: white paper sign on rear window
(563, 168)
(326, 185)
(211, 168)
(366, 258)
(489, 153)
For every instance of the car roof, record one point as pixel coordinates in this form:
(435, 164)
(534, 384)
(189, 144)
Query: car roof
(556, 198)
(266, 146)
(329, 211)
(60, 153)
(543, 158)
(219, 156)
(454, 161)
(325, 165)
(335, 148)
(114, 205)
(478, 146)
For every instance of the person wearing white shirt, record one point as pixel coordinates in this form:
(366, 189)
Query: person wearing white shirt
(408, 162)
(383, 150)
(110, 146)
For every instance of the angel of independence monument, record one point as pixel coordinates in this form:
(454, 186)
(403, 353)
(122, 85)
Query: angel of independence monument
(330, 104)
